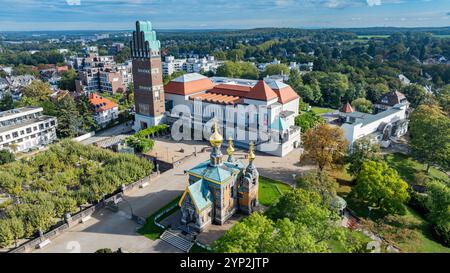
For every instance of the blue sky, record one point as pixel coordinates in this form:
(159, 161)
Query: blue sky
(210, 14)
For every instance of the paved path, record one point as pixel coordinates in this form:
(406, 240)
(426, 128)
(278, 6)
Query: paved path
(107, 133)
(112, 230)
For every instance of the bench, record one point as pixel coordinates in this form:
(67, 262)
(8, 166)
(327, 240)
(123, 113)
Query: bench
(44, 243)
(85, 219)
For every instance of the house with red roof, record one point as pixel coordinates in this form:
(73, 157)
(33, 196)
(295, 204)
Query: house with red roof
(227, 97)
(105, 110)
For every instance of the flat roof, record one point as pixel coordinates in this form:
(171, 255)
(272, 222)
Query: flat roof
(25, 124)
(18, 111)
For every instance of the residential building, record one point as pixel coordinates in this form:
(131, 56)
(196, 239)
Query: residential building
(219, 188)
(190, 65)
(279, 100)
(25, 128)
(106, 111)
(147, 76)
(389, 100)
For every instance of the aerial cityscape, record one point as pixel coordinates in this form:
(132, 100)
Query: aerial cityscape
(152, 129)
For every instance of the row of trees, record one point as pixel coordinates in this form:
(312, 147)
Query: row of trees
(58, 181)
(74, 116)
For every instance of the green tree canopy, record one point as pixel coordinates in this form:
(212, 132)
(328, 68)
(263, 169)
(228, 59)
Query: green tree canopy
(362, 150)
(430, 135)
(67, 81)
(381, 187)
(276, 69)
(243, 70)
(362, 105)
(6, 102)
(6, 157)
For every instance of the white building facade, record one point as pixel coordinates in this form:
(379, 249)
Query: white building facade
(26, 128)
(229, 98)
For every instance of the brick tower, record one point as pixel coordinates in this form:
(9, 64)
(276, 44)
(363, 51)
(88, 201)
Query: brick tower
(147, 76)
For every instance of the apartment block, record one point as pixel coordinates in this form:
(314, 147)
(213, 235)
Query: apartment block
(25, 128)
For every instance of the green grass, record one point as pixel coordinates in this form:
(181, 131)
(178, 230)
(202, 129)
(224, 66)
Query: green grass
(407, 167)
(152, 231)
(424, 242)
(271, 190)
(321, 110)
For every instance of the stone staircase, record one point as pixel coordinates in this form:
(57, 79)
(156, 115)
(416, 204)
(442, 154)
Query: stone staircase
(176, 240)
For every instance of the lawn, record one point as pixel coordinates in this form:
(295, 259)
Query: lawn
(422, 242)
(425, 242)
(322, 110)
(152, 231)
(271, 190)
(407, 167)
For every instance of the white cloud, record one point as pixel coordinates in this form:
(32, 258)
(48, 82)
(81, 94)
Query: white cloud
(372, 3)
(73, 2)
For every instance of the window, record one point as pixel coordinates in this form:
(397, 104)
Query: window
(156, 95)
(8, 137)
(155, 70)
(41, 126)
(15, 134)
(1, 138)
(28, 130)
(22, 132)
(35, 128)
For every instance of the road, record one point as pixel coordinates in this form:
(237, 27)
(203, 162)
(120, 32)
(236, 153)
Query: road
(107, 229)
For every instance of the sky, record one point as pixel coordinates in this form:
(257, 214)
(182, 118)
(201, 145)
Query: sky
(38, 15)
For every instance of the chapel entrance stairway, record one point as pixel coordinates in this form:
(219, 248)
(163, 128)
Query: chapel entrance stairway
(176, 240)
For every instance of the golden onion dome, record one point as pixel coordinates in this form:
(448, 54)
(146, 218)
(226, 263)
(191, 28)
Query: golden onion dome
(230, 149)
(216, 139)
(251, 152)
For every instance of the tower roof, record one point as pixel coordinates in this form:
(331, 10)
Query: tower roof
(216, 138)
(347, 108)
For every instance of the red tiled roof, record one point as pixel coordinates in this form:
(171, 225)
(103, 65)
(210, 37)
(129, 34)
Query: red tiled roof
(261, 91)
(347, 108)
(216, 98)
(286, 94)
(188, 88)
(100, 103)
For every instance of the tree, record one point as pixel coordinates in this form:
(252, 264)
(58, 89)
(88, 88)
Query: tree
(438, 205)
(443, 98)
(67, 81)
(326, 146)
(16, 228)
(37, 90)
(362, 150)
(415, 94)
(140, 144)
(6, 103)
(381, 187)
(6, 157)
(362, 105)
(251, 235)
(308, 120)
(333, 86)
(259, 234)
(238, 70)
(374, 92)
(320, 183)
(430, 135)
(6, 236)
(276, 69)
(307, 208)
(69, 120)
